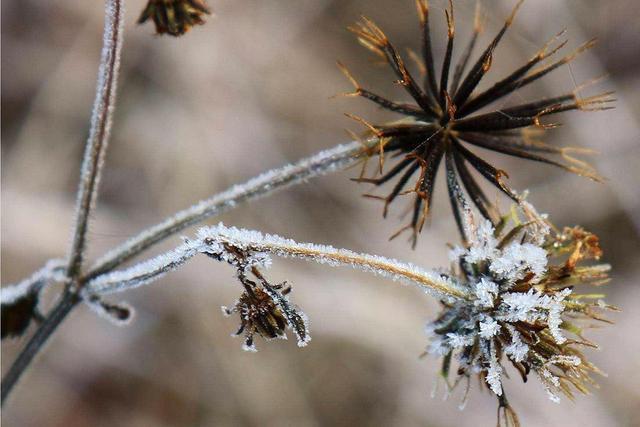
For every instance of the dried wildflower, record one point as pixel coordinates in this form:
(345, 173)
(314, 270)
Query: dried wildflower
(174, 17)
(523, 310)
(264, 308)
(444, 121)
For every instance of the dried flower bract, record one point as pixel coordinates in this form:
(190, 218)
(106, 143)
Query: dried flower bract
(445, 121)
(174, 17)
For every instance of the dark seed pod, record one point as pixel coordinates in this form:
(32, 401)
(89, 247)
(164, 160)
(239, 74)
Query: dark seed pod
(444, 123)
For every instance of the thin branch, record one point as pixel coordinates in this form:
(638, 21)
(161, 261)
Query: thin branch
(142, 273)
(322, 163)
(224, 243)
(97, 142)
(256, 242)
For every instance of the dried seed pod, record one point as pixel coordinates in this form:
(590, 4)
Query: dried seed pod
(265, 310)
(444, 124)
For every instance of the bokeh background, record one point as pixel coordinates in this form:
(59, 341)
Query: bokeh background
(247, 92)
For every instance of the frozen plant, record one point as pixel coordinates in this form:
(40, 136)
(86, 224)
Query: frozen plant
(523, 309)
(509, 297)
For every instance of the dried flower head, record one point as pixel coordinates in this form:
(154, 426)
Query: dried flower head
(174, 17)
(523, 310)
(264, 308)
(444, 121)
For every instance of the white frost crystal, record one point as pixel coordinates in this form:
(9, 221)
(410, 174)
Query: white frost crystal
(489, 327)
(494, 372)
(515, 260)
(486, 291)
(517, 350)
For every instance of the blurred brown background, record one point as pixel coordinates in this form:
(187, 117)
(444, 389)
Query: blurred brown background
(244, 93)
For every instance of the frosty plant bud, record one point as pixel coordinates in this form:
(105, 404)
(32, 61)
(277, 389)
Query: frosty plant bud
(524, 309)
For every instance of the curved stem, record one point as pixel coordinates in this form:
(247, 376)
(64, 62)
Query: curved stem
(230, 243)
(429, 281)
(97, 142)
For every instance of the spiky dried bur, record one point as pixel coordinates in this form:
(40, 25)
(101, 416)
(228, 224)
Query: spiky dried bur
(264, 308)
(524, 311)
(443, 123)
(174, 17)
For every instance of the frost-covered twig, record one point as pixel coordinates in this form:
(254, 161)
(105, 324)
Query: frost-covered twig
(319, 164)
(53, 270)
(257, 242)
(263, 307)
(216, 241)
(143, 273)
(101, 119)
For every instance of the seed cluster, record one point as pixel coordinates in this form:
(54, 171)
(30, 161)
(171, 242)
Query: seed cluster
(447, 119)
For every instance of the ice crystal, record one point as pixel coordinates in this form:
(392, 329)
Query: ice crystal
(489, 327)
(486, 291)
(516, 260)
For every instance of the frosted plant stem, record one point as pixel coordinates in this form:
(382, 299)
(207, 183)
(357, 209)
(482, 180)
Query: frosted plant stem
(89, 179)
(224, 243)
(381, 266)
(97, 142)
(319, 164)
(256, 242)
